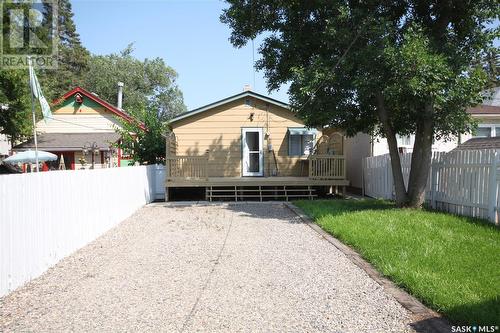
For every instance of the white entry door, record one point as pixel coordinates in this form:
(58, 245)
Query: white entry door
(253, 154)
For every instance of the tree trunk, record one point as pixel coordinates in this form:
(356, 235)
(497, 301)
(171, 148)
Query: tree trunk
(397, 173)
(421, 158)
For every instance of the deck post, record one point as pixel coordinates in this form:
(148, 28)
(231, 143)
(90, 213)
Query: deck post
(207, 155)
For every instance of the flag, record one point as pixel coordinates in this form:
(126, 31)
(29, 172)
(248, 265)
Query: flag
(37, 93)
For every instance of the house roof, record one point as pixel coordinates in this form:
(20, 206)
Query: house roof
(480, 143)
(111, 108)
(69, 141)
(228, 100)
(484, 109)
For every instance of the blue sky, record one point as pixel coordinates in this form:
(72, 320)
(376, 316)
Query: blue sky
(186, 34)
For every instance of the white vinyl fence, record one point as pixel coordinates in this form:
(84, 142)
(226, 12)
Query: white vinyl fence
(463, 182)
(49, 215)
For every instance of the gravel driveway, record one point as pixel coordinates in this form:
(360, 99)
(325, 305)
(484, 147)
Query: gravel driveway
(235, 267)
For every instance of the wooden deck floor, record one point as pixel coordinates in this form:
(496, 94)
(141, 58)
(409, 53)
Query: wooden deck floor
(254, 181)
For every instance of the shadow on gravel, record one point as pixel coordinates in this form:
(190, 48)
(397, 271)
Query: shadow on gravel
(265, 210)
(431, 325)
(259, 210)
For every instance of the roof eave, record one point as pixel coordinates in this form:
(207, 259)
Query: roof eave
(225, 101)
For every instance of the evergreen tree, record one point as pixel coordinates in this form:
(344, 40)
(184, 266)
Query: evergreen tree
(72, 56)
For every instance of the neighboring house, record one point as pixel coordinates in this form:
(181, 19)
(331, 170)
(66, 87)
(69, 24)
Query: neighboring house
(4, 146)
(251, 146)
(82, 130)
(364, 145)
(480, 143)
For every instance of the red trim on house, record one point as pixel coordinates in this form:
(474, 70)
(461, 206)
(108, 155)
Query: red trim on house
(98, 100)
(119, 156)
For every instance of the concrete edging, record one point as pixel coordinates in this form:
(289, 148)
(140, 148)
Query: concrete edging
(427, 319)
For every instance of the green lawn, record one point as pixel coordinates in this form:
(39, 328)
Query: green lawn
(450, 263)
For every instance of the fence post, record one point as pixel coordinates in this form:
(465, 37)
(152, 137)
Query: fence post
(492, 190)
(434, 171)
(363, 161)
(390, 178)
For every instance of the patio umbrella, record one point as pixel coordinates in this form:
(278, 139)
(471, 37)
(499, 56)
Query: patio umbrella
(29, 157)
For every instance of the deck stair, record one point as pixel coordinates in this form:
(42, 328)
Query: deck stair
(259, 193)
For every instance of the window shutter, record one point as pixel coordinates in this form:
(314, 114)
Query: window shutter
(294, 145)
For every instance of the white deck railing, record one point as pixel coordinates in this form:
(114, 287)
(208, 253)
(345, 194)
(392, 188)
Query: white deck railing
(187, 167)
(327, 167)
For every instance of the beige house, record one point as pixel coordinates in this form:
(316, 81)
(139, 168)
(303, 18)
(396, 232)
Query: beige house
(251, 146)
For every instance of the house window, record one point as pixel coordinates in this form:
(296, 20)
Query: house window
(483, 132)
(300, 141)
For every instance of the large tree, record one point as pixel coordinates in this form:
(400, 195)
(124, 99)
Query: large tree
(15, 114)
(144, 139)
(147, 84)
(72, 56)
(380, 67)
(151, 96)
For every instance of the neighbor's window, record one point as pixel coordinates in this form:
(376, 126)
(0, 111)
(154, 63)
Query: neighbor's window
(483, 132)
(300, 141)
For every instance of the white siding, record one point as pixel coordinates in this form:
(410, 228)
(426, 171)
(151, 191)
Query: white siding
(357, 148)
(4, 145)
(380, 146)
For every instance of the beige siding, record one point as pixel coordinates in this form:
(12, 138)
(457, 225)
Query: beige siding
(81, 109)
(79, 123)
(219, 131)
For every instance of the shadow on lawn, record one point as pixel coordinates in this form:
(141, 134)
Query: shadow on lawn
(486, 313)
(321, 208)
(482, 315)
(316, 208)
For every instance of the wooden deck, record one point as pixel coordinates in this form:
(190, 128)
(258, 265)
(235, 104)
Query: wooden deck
(192, 171)
(253, 181)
